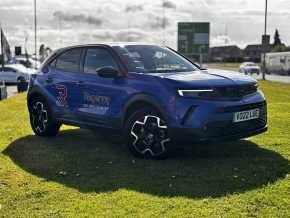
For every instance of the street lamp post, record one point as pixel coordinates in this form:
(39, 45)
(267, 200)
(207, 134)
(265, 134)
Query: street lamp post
(35, 34)
(266, 14)
(264, 42)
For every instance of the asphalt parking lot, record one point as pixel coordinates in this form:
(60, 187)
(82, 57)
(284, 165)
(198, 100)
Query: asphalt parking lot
(275, 78)
(11, 90)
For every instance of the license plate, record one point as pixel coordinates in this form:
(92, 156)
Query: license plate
(246, 115)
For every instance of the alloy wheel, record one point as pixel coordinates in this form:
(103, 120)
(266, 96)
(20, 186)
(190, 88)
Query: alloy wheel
(149, 134)
(39, 117)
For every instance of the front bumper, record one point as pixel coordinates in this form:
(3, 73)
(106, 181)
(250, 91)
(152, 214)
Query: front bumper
(197, 135)
(214, 121)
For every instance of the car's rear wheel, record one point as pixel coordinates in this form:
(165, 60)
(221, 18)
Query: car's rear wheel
(147, 134)
(20, 79)
(41, 119)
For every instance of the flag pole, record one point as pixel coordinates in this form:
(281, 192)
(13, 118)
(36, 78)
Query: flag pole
(2, 56)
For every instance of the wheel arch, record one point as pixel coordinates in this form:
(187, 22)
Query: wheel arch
(34, 93)
(139, 102)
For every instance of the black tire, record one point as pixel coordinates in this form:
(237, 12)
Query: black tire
(20, 82)
(41, 119)
(146, 134)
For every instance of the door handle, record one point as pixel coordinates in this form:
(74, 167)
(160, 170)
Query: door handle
(78, 82)
(49, 80)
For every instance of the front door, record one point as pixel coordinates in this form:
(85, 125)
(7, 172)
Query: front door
(102, 98)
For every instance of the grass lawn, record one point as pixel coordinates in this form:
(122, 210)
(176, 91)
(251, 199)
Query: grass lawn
(226, 65)
(83, 174)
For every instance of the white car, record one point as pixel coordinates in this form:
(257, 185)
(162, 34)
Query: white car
(249, 68)
(13, 73)
(29, 63)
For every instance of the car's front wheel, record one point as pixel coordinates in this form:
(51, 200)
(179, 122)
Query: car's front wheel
(41, 119)
(147, 134)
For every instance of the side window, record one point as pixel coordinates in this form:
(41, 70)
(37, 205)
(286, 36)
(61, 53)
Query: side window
(283, 60)
(5, 69)
(97, 58)
(8, 69)
(69, 61)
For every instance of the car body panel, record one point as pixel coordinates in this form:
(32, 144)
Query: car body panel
(12, 72)
(84, 99)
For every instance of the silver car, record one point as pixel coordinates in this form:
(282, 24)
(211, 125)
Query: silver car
(13, 73)
(249, 68)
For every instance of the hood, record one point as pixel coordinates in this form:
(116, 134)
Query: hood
(22, 69)
(205, 79)
(30, 71)
(252, 67)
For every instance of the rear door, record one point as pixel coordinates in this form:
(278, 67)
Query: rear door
(62, 83)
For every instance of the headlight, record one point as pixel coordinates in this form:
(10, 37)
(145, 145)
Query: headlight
(198, 93)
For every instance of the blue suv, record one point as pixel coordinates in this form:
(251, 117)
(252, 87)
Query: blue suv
(151, 94)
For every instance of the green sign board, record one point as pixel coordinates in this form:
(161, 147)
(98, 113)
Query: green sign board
(193, 38)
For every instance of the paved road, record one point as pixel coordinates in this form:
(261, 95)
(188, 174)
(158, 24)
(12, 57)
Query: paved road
(275, 78)
(11, 91)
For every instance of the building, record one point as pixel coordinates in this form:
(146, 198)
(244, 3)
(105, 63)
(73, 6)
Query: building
(193, 40)
(231, 53)
(254, 52)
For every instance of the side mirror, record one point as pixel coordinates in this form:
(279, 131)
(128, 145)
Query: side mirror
(108, 72)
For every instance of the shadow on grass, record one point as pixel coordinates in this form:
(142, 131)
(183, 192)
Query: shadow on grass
(94, 163)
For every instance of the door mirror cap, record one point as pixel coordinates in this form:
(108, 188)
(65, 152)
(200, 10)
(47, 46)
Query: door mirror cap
(108, 72)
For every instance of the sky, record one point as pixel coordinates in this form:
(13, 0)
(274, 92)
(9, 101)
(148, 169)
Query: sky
(69, 22)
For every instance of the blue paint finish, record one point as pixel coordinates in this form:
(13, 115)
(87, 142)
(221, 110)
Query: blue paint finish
(94, 100)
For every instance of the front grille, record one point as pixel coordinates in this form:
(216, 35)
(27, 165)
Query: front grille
(236, 92)
(227, 128)
(245, 107)
(254, 70)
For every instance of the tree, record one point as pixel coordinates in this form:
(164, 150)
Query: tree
(277, 40)
(279, 48)
(41, 52)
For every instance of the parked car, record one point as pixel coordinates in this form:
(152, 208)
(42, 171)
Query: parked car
(249, 68)
(14, 73)
(28, 63)
(150, 94)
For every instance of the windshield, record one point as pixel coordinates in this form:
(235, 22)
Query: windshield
(153, 59)
(250, 64)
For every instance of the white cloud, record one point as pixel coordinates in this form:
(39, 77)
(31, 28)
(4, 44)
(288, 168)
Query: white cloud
(143, 22)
